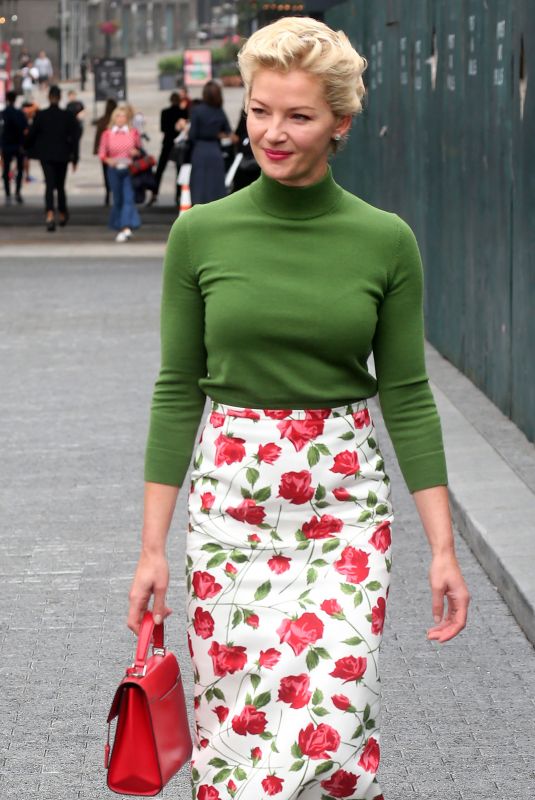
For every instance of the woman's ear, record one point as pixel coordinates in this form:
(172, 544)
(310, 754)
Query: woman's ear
(343, 125)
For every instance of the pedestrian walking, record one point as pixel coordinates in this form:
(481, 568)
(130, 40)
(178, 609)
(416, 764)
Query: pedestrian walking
(29, 108)
(119, 144)
(209, 124)
(76, 108)
(29, 78)
(273, 299)
(53, 138)
(44, 68)
(248, 169)
(84, 64)
(14, 128)
(101, 125)
(173, 120)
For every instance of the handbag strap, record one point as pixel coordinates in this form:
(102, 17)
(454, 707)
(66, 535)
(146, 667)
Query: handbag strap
(148, 633)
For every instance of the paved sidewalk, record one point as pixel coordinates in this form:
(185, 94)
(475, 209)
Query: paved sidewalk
(79, 356)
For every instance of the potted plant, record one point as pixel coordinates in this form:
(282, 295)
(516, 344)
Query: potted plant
(230, 76)
(170, 71)
(108, 28)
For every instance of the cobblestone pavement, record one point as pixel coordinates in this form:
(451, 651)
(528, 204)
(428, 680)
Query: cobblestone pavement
(79, 351)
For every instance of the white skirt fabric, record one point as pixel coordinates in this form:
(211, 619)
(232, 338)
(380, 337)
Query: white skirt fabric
(288, 567)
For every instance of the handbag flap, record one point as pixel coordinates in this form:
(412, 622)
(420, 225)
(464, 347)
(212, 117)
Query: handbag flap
(162, 674)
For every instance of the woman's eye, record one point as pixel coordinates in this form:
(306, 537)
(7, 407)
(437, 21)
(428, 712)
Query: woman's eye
(257, 110)
(301, 117)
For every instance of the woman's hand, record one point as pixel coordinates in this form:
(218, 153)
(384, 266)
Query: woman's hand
(150, 579)
(111, 162)
(447, 581)
(134, 152)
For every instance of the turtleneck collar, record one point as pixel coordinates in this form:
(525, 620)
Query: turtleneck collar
(296, 202)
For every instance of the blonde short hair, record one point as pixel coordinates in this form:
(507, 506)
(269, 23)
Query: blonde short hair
(120, 109)
(310, 45)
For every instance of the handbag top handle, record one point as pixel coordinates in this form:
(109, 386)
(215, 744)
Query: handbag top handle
(147, 632)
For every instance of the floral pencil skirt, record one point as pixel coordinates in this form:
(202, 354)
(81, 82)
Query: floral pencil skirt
(288, 567)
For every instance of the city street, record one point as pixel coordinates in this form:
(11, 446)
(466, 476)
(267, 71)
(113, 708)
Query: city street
(79, 356)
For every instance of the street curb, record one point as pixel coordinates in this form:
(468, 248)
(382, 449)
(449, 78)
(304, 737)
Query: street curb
(492, 508)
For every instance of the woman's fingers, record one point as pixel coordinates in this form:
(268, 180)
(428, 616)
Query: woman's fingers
(455, 619)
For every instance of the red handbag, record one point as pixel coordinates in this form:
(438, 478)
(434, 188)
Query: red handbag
(152, 738)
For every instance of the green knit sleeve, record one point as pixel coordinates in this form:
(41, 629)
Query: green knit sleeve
(406, 399)
(178, 402)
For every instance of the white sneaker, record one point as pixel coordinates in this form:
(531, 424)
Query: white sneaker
(121, 237)
(128, 232)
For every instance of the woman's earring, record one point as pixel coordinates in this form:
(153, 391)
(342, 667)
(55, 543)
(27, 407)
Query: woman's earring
(337, 137)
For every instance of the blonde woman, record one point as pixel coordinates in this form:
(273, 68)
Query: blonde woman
(273, 300)
(119, 144)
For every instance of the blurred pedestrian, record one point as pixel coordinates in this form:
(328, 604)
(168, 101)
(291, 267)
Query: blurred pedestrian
(209, 124)
(29, 108)
(30, 77)
(14, 127)
(77, 108)
(44, 69)
(173, 120)
(101, 125)
(248, 170)
(119, 144)
(84, 64)
(53, 139)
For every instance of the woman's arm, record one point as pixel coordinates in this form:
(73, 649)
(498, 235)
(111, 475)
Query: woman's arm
(445, 576)
(152, 572)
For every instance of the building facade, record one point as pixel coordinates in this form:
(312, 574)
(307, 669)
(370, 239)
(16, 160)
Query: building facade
(66, 29)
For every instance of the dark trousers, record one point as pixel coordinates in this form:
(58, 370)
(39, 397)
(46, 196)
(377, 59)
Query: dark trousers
(55, 173)
(8, 153)
(162, 163)
(106, 181)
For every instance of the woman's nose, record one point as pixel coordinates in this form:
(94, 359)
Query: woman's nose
(275, 130)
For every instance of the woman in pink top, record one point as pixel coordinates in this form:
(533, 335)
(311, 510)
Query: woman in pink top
(118, 146)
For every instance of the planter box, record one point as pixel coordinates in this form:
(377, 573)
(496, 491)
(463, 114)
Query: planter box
(167, 81)
(231, 80)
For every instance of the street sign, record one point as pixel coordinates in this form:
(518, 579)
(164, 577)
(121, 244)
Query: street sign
(110, 78)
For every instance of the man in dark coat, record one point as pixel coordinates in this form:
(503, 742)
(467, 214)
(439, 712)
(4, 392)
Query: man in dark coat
(53, 139)
(13, 130)
(178, 110)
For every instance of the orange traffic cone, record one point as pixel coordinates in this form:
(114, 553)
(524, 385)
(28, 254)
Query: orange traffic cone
(185, 198)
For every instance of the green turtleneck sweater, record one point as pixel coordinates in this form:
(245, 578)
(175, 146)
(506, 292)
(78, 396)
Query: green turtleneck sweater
(274, 297)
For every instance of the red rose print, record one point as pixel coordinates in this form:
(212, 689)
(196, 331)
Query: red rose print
(268, 453)
(269, 658)
(204, 585)
(231, 786)
(203, 623)
(300, 632)
(301, 431)
(248, 512)
(341, 701)
(272, 784)
(370, 757)
(349, 668)
(340, 784)
(317, 413)
(347, 463)
(207, 501)
(254, 537)
(277, 413)
(314, 742)
(362, 418)
(256, 754)
(230, 569)
(208, 792)
(229, 449)
(217, 419)
(353, 564)
(382, 537)
(294, 690)
(342, 494)
(249, 721)
(197, 701)
(279, 564)
(322, 528)
(252, 620)
(204, 743)
(295, 487)
(331, 607)
(227, 658)
(378, 615)
(246, 413)
(222, 712)
(190, 648)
